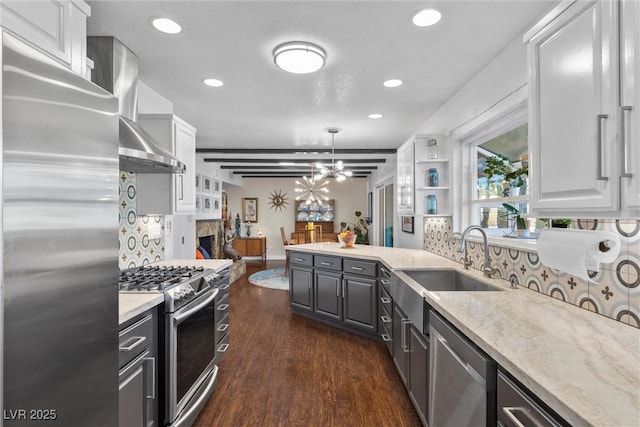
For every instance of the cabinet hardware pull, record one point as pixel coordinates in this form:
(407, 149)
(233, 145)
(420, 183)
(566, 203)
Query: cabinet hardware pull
(623, 138)
(353, 267)
(386, 337)
(338, 288)
(509, 413)
(600, 177)
(223, 348)
(152, 361)
(224, 287)
(223, 327)
(384, 281)
(385, 300)
(223, 307)
(298, 259)
(343, 288)
(405, 347)
(136, 342)
(385, 319)
(325, 263)
(180, 177)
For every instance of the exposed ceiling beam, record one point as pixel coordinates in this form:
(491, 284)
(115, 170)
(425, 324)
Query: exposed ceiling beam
(252, 151)
(299, 162)
(292, 168)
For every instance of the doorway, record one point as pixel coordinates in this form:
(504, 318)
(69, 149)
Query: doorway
(384, 218)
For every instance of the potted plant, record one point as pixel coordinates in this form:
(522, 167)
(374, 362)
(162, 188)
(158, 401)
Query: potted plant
(519, 221)
(514, 175)
(560, 222)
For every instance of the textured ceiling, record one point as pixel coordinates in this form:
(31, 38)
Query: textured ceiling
(261, 106)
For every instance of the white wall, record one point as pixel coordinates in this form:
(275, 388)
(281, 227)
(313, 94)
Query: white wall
(151, 102)
(349, 196)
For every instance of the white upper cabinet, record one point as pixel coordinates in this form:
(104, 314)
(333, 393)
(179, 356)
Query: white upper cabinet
(404, 178)
(58, 27)
(630, 104)
(575, 116)
(179, 138)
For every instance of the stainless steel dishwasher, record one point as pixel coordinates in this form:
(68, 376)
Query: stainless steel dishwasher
(462, 391)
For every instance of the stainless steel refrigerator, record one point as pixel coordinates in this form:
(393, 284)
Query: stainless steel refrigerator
(59, 267)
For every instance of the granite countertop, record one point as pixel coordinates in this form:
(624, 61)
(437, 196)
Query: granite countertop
(131, 305)
(586, 367)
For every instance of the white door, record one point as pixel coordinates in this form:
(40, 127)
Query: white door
(573, 80)
(630, 105)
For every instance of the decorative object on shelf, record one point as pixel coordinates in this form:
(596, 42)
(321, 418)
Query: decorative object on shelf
(312, 189)
(250, 209)
(347, 239)
(299, 57)
(514, 174)
(561, 223)
(407, 224)
(260, 234)
(278, 200)
(237, 224)
(432, 177)
(248, 228)
(336, 169)
(432, 204)
(432, 149)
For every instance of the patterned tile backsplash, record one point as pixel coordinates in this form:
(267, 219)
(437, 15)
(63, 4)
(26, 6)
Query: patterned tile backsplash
(136, 248)
(613, 292)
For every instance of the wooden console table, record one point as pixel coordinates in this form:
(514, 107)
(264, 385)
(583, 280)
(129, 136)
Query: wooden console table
(252, 246)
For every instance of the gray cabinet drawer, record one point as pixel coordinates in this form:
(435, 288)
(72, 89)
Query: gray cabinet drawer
(221, 348)
(299, 258)
(385, 302)
(364, 268)
(222, 307)
(222, 328)
(328, 262)
(134, 339)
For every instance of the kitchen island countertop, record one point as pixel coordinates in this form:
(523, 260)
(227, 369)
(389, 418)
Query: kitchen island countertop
(582, 365)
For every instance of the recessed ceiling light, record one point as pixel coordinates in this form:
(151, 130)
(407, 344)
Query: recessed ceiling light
(426, 17)
(375, 116)
(166, 25)
(392, 83)
(299, 57)
(213, 82)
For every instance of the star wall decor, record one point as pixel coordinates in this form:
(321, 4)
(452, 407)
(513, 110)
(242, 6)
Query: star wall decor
(278, 200)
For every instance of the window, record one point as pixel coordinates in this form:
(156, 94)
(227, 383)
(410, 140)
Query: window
(498, 157)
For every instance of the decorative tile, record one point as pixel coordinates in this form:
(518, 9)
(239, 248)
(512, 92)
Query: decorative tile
(573, 286)
(475, 253)
(531, 267)
(500, 260)
(607, 293)
(545, 277)
(518, 265)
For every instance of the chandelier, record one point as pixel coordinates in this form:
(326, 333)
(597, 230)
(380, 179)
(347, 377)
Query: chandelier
(336, 169)
(312, 189)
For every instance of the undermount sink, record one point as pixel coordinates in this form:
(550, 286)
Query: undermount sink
(448, 280)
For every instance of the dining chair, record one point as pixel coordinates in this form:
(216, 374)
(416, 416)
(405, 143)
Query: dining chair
(285, 242)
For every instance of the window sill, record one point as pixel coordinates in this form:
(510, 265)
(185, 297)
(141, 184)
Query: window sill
(529, 245)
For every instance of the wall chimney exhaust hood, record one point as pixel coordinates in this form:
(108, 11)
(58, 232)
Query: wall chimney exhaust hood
(116, 70)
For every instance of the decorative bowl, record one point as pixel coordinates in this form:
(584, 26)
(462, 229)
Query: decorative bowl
(347, 239)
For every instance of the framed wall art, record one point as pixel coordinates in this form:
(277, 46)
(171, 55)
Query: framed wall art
(198, 182)
(407, 224)
(249, 209)
(206, 184)
(206, 204)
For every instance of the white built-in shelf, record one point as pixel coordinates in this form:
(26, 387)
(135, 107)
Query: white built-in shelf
(433, 188)
(427, 161)
(438, 214)
(514, 199)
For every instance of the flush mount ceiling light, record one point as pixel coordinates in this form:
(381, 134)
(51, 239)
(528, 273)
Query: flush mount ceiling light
(312, 188)
(299, 57)
(426, 17)
(375, 116)
(336, 169)
(213, 82)
(392, 83)
(166, 25)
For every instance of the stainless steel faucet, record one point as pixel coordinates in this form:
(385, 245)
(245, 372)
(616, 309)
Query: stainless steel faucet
(487, 270)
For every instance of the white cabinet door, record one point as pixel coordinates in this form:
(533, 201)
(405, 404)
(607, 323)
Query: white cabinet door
(573, 106)
(630, 105)
(404, 176)
(185, 184)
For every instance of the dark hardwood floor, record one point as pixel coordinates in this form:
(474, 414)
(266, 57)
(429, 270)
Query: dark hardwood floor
(282, 369)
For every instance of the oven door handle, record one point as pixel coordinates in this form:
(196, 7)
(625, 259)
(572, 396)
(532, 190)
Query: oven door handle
(180, 317)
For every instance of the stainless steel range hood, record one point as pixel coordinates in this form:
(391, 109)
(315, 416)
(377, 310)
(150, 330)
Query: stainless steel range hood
(116, 70)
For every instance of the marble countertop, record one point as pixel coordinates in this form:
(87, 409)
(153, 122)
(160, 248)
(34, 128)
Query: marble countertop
(584, 366)
(130, 305)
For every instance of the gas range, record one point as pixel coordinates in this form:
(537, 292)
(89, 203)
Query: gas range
(179, 284)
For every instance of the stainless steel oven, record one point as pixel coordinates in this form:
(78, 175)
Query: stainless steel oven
(188, 348)
(191, 350)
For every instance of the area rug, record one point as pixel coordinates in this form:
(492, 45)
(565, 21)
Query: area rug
(273, 279)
